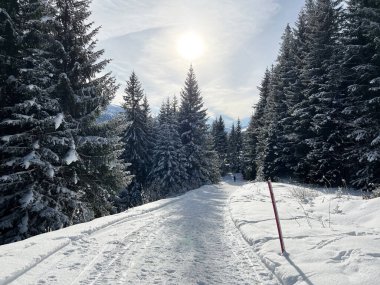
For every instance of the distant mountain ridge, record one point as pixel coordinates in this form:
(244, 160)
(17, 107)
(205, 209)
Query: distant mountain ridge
(110, 112)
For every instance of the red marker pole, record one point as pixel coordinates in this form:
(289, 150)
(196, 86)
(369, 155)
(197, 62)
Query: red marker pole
(277, 217)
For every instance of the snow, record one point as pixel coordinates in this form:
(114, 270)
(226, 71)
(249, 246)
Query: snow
(217, 234)
(75, 178)
(11, 162)
(58, 120)
(6, 138)
(332, 237)
(376, 141)
(372, 156)
(50, 172)
(31, 87)
(45, 19)
(11, 79)
(36, 145)
(26, 161)
(23, 226)
(26, 199)
(71, 156)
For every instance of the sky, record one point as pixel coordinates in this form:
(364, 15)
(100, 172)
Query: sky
(240, 39)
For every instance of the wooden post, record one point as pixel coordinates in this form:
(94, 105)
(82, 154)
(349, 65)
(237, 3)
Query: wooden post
(277, 217)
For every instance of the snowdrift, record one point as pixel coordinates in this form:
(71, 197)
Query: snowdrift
(331, 236)
(19, 257)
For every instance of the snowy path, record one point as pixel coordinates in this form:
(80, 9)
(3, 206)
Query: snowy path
(191, 240)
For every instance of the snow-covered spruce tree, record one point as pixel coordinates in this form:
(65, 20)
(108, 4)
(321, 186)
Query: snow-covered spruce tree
(148, 118)
(34, 138)
(83, 93)
(328, 122)
(249, 151)
(105, 172)
(257, 134)
(231, 150)
(303, 111)
(275, 111)
(79, 63)
(138, 142)
(193, 132)
(268, 121)
(239, 135)
(281, 101)
(235, 147)
(293, 127)
(361, 64)
(220, 143)
(323, 160)
(212, 162)
(168, 175)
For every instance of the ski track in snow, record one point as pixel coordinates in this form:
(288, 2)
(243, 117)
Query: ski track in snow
(189, 240)
(66, 241)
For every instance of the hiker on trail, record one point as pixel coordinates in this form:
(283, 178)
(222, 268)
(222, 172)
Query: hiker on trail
(234, 178)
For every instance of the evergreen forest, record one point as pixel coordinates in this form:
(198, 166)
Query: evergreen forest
(317, 119)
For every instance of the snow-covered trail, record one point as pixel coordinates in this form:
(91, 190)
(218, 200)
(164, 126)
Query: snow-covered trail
(191, 240)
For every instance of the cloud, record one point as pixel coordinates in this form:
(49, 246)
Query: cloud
(239, 44)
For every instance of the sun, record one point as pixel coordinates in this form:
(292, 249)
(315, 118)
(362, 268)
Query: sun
(190, 46)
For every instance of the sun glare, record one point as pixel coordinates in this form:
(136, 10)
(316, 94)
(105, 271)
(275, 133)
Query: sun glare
(190, 46)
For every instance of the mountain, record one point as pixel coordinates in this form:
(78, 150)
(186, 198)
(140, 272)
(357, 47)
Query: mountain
(109, 113)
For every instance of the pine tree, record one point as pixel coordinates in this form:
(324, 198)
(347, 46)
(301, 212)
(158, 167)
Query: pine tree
(328, 122)
(249, 166)
(263, 119)
(303, 110)
(220, 143)
(212, 161)
(361, 65)
(105, 172)
(193, 132)
(151, 131)
(322, 160)
(275, 111)
(79, 64)
(255, 138)
(284, 99)
(34, 196)
(168, 174)
(83, 93)
(293, 127)
(235, 147)
(137, 140)
(233, 153)
(239, 145)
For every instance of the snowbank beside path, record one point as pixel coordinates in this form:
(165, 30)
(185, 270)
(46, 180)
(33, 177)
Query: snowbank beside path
(17, 258)
(331, 237)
